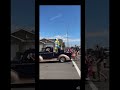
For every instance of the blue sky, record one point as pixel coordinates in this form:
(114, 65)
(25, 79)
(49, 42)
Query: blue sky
(55, 20)
(97, 23)
(22, 13)
(96, 19)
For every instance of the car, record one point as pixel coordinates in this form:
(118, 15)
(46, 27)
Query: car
(48, 55)
(24, 67)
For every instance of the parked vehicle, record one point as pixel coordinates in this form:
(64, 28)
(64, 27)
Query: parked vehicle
(24, 67)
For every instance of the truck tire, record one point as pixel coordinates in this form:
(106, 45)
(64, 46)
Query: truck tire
(62, 59)
(14, 76)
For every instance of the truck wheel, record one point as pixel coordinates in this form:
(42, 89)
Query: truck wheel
(14, 77)
(62, 59)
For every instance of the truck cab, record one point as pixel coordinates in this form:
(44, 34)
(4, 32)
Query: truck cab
(49, 54)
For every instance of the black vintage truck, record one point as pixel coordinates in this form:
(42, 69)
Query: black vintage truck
(47, 54)
(23, 67)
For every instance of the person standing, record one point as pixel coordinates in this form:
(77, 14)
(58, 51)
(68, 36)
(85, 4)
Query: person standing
(57, 45)
(100, 67)
(74, 55)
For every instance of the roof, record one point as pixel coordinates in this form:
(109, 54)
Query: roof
(43, 40)
(23, 30)
(18, 38)
(24, 34)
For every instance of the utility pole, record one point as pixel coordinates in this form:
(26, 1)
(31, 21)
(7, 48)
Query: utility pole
(67, 39)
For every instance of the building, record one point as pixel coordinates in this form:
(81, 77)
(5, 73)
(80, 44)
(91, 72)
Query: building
(21, 40)
(62, 44)
(41, 45)
(46, 43)
(49, 43)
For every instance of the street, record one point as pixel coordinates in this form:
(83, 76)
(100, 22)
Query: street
(57, 70)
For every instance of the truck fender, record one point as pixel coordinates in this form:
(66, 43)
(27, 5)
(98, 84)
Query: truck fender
(40, 58)
(14, 76)
(63, 55)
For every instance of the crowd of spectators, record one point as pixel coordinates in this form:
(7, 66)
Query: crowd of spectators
(95, 63)
(75, 52)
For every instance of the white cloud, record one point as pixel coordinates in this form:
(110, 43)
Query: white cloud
(72, 41)
(55, 17)
(40, 37)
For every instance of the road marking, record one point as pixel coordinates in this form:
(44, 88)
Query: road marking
(76, 67)
(92, 85)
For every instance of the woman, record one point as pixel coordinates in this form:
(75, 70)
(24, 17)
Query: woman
(74, 55)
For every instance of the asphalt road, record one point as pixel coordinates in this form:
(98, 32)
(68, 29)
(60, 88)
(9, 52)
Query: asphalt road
(57, 70)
